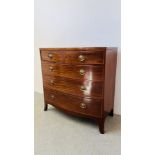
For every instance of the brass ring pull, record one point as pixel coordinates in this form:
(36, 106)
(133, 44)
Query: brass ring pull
(52, 96)
(50, 55)
(51, 68)
(83, 106)
(83, 88)
(81, 58)
(52, 81)
(82, 72)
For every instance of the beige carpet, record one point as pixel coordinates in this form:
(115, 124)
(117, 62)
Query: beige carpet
(57, 133)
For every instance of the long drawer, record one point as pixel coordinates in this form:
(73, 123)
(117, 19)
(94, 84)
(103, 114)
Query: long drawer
(83, 72)
(87, 106)
(83, 88)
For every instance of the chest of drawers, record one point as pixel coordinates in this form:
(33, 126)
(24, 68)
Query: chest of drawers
(80, 81)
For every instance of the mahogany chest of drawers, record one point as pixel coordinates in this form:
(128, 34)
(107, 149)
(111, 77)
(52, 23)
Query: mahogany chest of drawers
(80, 81)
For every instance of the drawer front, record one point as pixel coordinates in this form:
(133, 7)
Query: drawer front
(75, 87)
(52, 56)
(74, 57)
(83, 72)
(84, 57)
(85, 106)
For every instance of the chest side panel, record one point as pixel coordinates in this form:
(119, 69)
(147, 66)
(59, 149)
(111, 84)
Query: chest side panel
(109, 83)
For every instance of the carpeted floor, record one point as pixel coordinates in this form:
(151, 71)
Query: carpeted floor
(57, 133)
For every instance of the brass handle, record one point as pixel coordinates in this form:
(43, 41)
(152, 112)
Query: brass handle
(52, 81)
(51, 68)
(83, 88)
(50, 55)
(81, 58)
(52, 96)
(83, 106)
(82, 71)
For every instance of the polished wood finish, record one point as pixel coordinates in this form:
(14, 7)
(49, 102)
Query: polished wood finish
(75, 49)
(80, 81)
(87, 106)
(55, 56)
(73, 57)
(83, 88)
(101, 124)
(91, 72)
(109, 82)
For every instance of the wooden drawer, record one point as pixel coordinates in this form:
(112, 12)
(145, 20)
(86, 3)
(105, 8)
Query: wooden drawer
(52, 56)
(82, 72)
(74, 57)
(84, 88)
(74, 104)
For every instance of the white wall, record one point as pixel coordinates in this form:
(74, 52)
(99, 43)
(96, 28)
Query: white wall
(77, 23)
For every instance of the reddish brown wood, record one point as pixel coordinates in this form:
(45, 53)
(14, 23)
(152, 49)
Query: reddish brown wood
(72, 57)
(109, 83)
(90, 57)
(100, 122)
(56, 56)
(74, 87)
(75, 49)
(92, 72)
(90, 107)
(63, 68)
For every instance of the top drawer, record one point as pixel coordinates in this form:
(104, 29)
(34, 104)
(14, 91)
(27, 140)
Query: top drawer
(73, 57)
